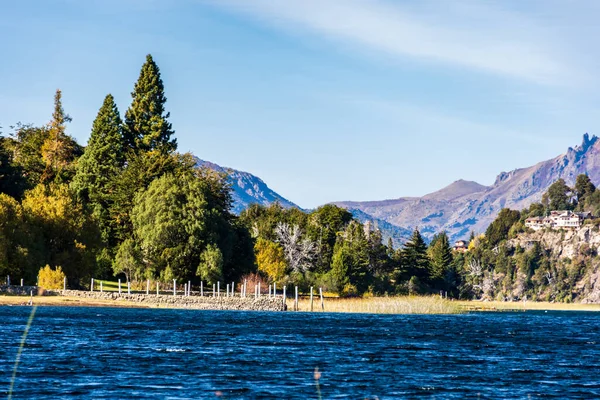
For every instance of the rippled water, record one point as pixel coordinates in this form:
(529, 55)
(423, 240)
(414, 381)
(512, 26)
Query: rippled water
(114, 353)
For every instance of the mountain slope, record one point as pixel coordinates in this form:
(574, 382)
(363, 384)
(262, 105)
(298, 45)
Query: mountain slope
(247, 188)
(464, 206)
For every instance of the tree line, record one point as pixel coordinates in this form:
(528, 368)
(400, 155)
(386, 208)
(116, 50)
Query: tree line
(129, 205)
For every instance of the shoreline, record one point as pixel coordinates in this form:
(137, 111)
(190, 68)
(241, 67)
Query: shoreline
(374, 305)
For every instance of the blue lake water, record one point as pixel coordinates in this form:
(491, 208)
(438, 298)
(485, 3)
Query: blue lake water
(116, 353)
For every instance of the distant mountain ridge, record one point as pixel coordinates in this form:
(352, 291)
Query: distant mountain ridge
(464, 206)
(247, 188)
(458, 208)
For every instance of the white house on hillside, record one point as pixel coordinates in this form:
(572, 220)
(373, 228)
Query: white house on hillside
(558, 220)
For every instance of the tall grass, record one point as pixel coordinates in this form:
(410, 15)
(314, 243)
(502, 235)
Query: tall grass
(526, 305)
(383, 305)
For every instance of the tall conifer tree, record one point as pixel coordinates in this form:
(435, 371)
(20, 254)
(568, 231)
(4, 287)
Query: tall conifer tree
(440, 254)
(101, 162)
(414, 255)
(104, 155)
(59, 150)
(146, 123)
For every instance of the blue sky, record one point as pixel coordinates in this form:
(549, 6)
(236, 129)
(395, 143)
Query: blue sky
(324, 100)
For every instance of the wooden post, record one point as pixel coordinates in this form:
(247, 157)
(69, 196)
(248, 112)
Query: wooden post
(284, 296)
(8, 280)
(274, 289)
(174, 287)
(269, 290)
(296, 299)
(21, 282)
(101, 287)
(201, 289)
(214, 289)
(218, 289)
(255, 291)
(119, 285)
(92, 285)
(227, 293)
(245, 287)
(128, 287)
(147, 286)
(321, 294)
(65, 284)
(311, 299)
(157, 292)
(184, 289)
(189, 288)
(258, 289)
(232, 289)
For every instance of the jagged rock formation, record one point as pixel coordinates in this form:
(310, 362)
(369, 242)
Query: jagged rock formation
(464, 206)
(247, 188)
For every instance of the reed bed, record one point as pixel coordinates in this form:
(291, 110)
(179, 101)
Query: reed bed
(382, 305)
(526, 305)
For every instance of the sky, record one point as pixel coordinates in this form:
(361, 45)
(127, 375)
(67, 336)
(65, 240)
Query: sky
(325, 100)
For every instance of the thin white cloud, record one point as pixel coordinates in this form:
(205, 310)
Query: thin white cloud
(475, 35)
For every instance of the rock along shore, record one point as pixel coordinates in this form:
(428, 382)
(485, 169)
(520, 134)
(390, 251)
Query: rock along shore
(263, 303)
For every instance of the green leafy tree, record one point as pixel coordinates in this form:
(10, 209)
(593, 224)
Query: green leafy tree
(146, 121)
(100, 165)
(141, 170)
(25, 144)
(558, 196)
(210, 268)
(12, 239)
(128, 261)
(177, 218)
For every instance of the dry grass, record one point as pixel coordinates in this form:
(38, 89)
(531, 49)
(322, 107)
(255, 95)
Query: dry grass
(383, 305)
(523, 306)
(66, 301)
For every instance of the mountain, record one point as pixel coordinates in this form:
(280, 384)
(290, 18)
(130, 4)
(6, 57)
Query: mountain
(464, 206)
(247, 188)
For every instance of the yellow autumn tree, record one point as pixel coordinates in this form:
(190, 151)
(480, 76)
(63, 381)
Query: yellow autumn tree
(270, 259)
(49, 278)
(62, 232)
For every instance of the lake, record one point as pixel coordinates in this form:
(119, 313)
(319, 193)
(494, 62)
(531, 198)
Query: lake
(81, 352)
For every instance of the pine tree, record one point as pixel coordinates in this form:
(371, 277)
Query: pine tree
(414, 256)
(58, 150)
(146, 122)
(101, 162)
(440, 255)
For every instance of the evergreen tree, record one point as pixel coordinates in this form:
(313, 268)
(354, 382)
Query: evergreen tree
(59, 150)
(440, 255)
(414, 256)
(499, 228)
(583, 189)
(101, 163)
(146, 122)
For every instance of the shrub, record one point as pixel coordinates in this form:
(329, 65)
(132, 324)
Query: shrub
(49, 278)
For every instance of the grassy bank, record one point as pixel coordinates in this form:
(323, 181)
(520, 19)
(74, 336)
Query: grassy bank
(383, 305)
(524, 306)
(372, 305)
(66, 301)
